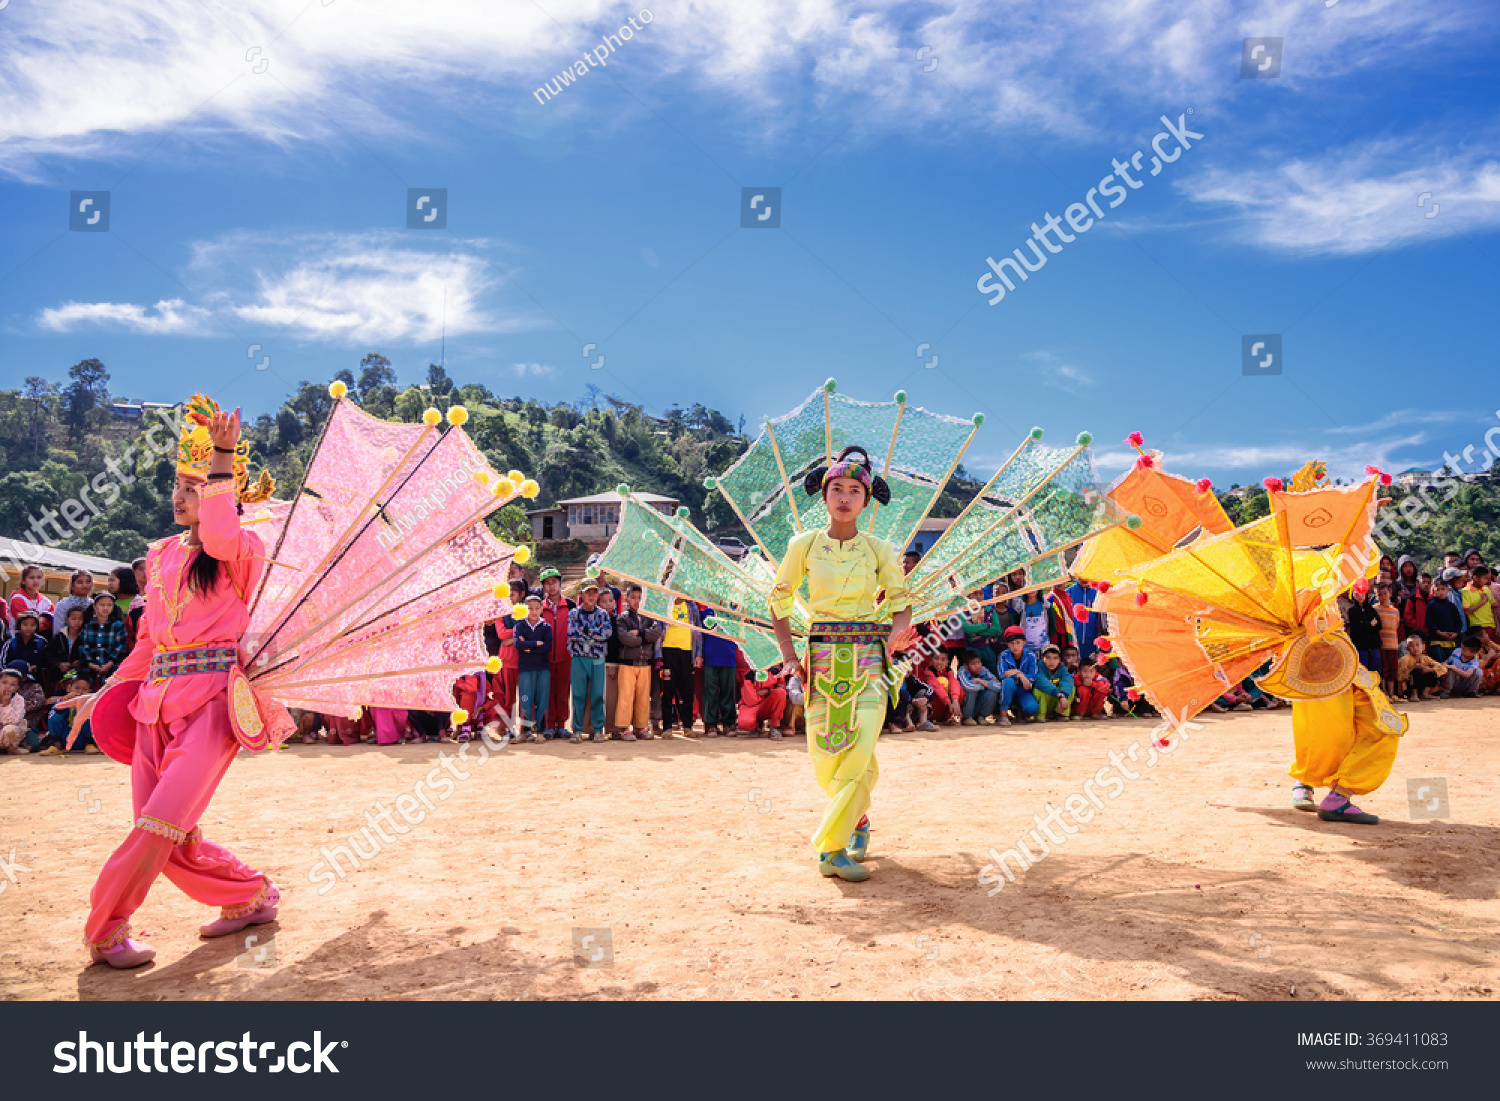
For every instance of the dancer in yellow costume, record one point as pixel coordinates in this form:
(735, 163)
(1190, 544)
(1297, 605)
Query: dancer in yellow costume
(846, 570)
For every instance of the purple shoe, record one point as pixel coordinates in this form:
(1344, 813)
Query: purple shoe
(224, 925)
(125, 955)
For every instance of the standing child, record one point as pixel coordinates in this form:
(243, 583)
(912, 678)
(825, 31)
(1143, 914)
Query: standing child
(1054, 686)
(102, 642)
(533, 639)
(29, 598)
(1480, 603)
(589, 628)
(1444, 622)
(1390, 638)
(721, 694)
(1364, 626)
(25, 645)
(80, 589)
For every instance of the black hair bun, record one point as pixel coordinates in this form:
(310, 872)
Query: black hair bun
(881, 491)
(813, 483)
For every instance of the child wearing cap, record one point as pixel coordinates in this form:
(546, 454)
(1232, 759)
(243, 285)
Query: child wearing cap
(60, 719)
(589, 628)
(1017, 670)
(1054, 686)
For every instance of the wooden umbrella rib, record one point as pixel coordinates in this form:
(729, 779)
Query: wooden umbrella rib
(890, 457)
(785, 483)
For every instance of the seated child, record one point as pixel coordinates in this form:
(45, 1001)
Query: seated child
(947, 693)
(12, 713)
(1090, 690)
(981, 689)
(1418, 676)
(1017, 671)
(1054, 686)
(1464, 673)
(60, 719)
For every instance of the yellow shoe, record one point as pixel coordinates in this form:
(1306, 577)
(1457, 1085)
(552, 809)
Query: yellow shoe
(837, 863)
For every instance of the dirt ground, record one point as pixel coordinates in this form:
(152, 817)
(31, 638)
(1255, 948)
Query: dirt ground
(687, 863)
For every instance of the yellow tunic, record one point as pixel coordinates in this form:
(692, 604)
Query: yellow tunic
(843, 580)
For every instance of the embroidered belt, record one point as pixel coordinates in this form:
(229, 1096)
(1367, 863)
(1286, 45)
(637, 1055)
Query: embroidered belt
(197, 659)
(836, 631)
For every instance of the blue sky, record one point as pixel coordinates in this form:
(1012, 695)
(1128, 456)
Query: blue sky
(258, 157)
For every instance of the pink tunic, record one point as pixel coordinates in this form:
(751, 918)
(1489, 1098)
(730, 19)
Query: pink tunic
(177, 618)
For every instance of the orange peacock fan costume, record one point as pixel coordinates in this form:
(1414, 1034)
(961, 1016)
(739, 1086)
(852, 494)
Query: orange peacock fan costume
(1195, 606)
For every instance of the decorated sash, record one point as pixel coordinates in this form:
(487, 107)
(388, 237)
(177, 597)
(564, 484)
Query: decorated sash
(842, 686)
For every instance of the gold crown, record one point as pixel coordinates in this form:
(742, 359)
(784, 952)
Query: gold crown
(195, 450)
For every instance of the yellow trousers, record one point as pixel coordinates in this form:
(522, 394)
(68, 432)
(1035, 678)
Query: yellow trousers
(849, 775)
(1349, 739)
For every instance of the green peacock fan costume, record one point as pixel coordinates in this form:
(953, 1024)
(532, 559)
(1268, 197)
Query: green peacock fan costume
(841, 595)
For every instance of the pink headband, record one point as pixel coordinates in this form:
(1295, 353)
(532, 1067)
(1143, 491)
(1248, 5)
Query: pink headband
(847, 469)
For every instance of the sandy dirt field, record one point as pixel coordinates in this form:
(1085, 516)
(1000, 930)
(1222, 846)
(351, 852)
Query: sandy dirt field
(1197, 882)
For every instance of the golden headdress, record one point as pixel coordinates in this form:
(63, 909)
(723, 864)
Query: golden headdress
(195, 449)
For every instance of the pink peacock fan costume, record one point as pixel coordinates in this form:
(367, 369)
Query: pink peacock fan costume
(320, 602)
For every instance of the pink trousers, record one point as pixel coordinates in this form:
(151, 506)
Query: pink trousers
(174, 771)
(390, 725)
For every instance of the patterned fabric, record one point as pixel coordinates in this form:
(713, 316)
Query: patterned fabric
(114, 940)
(849, 469)
(268, 895)
(589, 632)
(846, 683)
(198, 659)
(175, 834)
(837, 631)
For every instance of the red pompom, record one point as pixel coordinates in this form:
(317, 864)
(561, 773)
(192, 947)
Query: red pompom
(1204, 485)
(1135, 439)
(1140, 598)
(1145, 462)
(1081, 612)
(1272, 484)
(1163, 743)
(1132, 694)
(1103, 645)
(1371, 469)
(1385, 479)
(1103, 586)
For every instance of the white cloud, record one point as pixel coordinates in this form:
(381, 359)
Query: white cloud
(97, 76)
(1399, 417)
(1360, 198)
(538, 369)
(1058, 375)
(171, 316)
(1280, 459)
(349, 288)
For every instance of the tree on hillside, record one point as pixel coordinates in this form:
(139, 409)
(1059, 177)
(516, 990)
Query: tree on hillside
(88, 391)
(374, 371)
(437, 379)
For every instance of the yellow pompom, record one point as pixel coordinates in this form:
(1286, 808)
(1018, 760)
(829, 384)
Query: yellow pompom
(529, 488)
(458, 716)
(504, 487)
(500, 590)
(457, 414)
(516, 476)
(492, 666)
(522, 555)
(338, 389)
(431, 417)
(358, 711)
(482, 477)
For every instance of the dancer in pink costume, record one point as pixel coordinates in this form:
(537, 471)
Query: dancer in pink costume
(317, 609)
(173, 689)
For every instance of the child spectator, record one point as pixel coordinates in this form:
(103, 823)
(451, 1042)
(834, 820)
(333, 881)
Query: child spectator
(1464, 673)
(533, 639)
(60, 719)
(1418, 676)
(762, 701)
(1479, 603)
(1364, 626)
(638, 636)
(128, 601)
(589, 628)
(1071, 659)
(1414, 607)
(681, 656)
(947, 693)
(80, 590)
(29, 598)
(1443, 621)
(62, 652)
(555, 609)
(25, 645)
(1390, 639)
(102, 643)
(721, 688)
(610, 602)
(1035, 621)
(1406, 579)
(981, 690)
(1054, 686)
(1091, 690)
(1017, 671)
(505, 632)
(13, 730)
